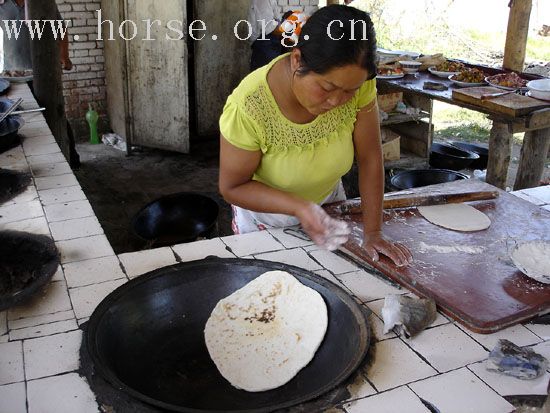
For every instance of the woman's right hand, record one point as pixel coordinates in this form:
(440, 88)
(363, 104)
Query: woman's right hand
(326, 232)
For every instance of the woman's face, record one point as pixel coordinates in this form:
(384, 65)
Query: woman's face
(320, 93)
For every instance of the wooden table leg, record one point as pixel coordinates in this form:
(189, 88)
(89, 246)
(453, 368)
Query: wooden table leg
(533, 157)
(500, 151)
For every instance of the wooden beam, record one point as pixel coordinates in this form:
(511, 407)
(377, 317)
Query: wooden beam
(500, 152)
(47, 83)
(532, 159)
(516, 35)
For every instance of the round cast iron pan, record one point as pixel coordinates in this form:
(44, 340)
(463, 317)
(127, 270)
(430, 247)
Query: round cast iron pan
(446, 156)
(481, 150)
(28, 256)
(424, 177)
(147, 338)
(176, 218)
(12, 183)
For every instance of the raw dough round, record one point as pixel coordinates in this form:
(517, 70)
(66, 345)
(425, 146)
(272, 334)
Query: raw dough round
(262, 335)
(533, 259)
(458, 217)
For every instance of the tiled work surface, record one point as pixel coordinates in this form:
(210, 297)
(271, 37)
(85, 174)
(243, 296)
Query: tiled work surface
(39, 341)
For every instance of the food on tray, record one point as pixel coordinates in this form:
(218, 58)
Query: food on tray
(471, 75)
(448, 66)
(390, 71)
(16, 73)
(430, 60)
(507, 80)
(263, 334)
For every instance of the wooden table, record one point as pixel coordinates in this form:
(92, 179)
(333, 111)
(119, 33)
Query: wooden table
(536, 126)
(469, 274)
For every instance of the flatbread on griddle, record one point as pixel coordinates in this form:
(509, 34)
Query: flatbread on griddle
(262, 335)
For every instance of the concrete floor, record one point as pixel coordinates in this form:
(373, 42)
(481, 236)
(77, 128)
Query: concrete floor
(118, 186)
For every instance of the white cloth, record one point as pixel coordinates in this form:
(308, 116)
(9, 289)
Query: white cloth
(245, 221)
(267, 10)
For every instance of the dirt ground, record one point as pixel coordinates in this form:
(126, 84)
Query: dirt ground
(118, 186)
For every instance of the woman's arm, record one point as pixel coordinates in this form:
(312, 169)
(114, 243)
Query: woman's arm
(237, 166)
(368, 153)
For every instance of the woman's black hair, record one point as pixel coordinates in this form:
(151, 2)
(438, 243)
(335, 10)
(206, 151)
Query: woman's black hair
(336, 36)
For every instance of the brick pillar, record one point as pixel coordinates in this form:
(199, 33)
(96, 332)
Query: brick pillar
(85, 83)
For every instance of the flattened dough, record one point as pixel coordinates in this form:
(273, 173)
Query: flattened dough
(458, 217)
(533, 259)
(262, 335)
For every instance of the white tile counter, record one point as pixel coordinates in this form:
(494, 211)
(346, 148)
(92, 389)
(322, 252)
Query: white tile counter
(39, 341)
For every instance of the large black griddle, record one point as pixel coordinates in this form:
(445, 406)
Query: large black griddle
(147, 338)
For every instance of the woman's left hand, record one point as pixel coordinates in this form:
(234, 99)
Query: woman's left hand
(374, 244)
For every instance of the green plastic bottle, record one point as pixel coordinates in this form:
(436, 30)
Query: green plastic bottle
(92, 118)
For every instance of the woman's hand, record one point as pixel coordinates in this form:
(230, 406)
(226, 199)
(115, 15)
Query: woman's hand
(374, 244)
(325, 231)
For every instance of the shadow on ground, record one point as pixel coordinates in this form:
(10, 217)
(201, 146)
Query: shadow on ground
(118, 186)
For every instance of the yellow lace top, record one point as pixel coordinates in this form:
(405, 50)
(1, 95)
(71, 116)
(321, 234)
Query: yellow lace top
(304, 159)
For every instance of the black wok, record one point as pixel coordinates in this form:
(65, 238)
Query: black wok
(481, 150)
(12, 183)
(147, 338)
(446, 156)
(424, 177)
(28, 262)
(176, 218)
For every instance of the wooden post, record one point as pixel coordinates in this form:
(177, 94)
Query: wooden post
(516, 35)
(47, 84)
(500, 151)
(533, 157)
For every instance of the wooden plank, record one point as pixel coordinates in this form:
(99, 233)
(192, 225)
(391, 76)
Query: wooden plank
(219, 65)
(511, 105)
(417, 137)
(115, 67)
(500, 152)
(516, 34)
(469, 275)
(532, 159)
(539, 119)
(158, 78)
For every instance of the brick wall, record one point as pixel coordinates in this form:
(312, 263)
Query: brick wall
(309, 6)
(85, 83)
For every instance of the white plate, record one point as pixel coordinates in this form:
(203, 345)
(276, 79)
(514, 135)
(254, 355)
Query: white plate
(528, 93)
(465, 84)
(437, 73)
(536, 263)
(504, 87)
(396, 76)
(413, 55)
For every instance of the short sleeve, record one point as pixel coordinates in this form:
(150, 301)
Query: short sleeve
(366, 93)
(238, 128)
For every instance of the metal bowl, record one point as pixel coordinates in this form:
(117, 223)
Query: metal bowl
(481, 150)
(147, 339)
(447, 156)
(176, 218)
(424, 177)
(9, 127)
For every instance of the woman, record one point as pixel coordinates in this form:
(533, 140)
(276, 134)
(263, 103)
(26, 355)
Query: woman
(289, 132)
